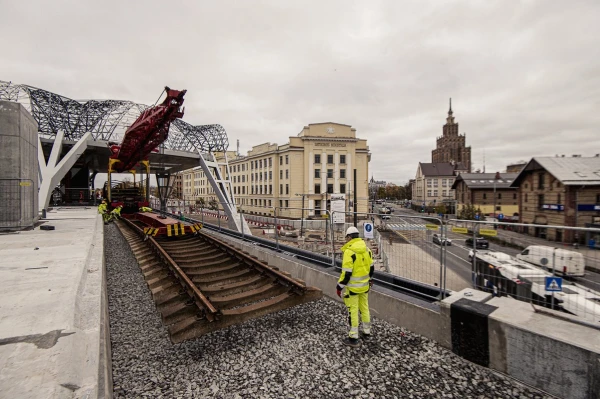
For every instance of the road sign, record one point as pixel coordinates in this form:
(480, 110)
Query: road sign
(476, 217)
(500, 216)
(368, 230)
(488, 232)
(460, 230)
(553, 284)
(432, 227)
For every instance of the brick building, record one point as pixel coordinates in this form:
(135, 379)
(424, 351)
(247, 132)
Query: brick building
(477, 189)
(451, 147)
(559, 191)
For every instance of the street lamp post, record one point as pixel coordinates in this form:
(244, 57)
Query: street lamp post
(496, 178)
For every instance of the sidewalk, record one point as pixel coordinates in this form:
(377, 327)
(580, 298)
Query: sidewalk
(53, 312)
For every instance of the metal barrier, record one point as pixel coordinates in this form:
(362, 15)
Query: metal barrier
(17, 204)
(411, 247)
(555, 275)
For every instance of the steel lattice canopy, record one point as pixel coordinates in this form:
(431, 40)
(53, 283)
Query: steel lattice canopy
(107, 120)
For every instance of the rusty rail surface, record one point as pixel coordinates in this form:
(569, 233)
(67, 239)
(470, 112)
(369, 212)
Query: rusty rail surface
(201, 284)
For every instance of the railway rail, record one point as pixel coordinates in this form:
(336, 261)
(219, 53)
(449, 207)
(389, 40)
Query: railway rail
(201, 284)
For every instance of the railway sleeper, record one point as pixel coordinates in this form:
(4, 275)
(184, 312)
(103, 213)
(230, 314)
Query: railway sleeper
(188, 329)
(246, 297)
(242, 286)
(208, 270)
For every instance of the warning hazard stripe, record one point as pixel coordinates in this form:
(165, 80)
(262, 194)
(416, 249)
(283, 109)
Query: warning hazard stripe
(155, 232)
(168, 230)
(182, 228)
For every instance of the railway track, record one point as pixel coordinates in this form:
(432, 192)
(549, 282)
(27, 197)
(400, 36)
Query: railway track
(201, 284)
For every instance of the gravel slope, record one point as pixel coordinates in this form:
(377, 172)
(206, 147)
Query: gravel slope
(296, 353)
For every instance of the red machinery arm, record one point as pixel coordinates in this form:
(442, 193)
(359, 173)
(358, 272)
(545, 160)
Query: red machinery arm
(149, 131)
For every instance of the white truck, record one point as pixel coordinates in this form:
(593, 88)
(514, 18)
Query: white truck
(566, 262)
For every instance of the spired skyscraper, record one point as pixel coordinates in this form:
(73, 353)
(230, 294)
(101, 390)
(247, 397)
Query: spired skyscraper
(451, 145)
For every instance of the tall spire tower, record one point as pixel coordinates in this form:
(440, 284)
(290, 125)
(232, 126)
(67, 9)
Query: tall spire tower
(450, 147)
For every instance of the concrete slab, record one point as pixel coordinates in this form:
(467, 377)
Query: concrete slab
(51, 309)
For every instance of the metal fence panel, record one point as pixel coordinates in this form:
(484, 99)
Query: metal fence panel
(16, 203)
(554, 275)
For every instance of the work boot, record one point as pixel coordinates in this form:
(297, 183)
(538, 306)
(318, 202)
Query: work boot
(353, 342)
(364, 336)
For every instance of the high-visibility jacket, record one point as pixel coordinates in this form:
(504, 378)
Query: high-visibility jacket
(357, 267)
(116, 212)
(102, 208)
(145, 209)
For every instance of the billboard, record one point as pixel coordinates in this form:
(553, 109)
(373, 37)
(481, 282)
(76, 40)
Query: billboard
(338, 204)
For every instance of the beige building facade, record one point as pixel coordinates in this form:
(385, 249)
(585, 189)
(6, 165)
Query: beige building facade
(313, 165)
(433, 183)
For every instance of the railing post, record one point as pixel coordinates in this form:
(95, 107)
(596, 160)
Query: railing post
(276, 229)
(330, 219)
(242, 224)
(441, 260)
(474, 260)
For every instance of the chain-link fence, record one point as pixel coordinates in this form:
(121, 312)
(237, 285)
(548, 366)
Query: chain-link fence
(17, 204)
(555, 275)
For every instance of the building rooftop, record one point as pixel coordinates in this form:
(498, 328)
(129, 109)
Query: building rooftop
(485, 180)
(440, 168)
(569, 171)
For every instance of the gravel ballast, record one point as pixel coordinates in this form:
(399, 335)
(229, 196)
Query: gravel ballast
(295, 353)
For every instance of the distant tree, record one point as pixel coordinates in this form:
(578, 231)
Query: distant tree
(213, 204)
(407, 192)
(381, 192)
(441, 209)
(201, 202)
(468, 212)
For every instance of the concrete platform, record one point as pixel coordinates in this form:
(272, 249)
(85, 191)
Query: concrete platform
(54, 340)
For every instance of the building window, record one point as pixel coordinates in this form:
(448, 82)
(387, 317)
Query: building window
(342, 188)
(317, 173)
(287, 188)
(280, 160)
(281, 203)
(435, 193)
(287, 174)
(429, 193)
(541, 181)
(287, 204)
(342, 173)
(281, 174)
(261, 163)
(317, 189)
(484, 196)
(270, 162)
(329, 158)
(330, 173)
(270, 189)
(540, 201)
(514, 196)
(343, 159)
(280, 189)
(429, 182)
(287, 159)
(330, 188)
(499, 195)
(558, 198)
(270, 174)
(318, 158)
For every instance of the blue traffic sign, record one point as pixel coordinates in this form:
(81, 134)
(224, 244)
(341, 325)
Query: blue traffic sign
(553, 284)
(500, 216)
(476, 217)
(368, 227)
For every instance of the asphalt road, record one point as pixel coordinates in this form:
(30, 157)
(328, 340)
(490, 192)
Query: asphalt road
(457, 254)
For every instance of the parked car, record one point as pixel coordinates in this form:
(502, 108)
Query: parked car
(438, 239)
(481, 243)
(385, 217)
(569, 263)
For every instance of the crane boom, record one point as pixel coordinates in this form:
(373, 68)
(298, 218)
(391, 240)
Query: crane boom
(149, 131)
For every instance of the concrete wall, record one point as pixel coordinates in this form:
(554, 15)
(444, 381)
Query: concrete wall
(19, 164)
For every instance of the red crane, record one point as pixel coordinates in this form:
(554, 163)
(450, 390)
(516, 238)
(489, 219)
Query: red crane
(149, 131)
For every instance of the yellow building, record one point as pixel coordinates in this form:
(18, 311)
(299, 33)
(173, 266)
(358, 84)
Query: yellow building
(316, 163)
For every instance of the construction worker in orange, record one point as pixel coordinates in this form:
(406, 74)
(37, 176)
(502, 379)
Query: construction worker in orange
(354, 284)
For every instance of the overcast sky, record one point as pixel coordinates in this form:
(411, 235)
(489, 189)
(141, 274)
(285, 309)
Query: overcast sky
(524, 76)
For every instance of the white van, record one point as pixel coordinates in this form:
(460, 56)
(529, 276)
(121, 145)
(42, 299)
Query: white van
(568, 263)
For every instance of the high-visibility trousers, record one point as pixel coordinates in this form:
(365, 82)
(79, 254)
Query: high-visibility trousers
(357, 303)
